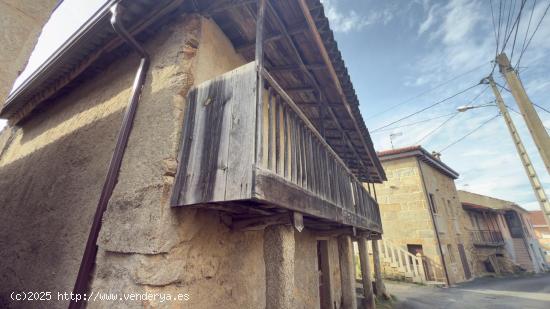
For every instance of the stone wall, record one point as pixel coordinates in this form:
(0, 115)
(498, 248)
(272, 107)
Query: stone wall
(405, 210)
(449, 208)
(20, 25)
(52, 172)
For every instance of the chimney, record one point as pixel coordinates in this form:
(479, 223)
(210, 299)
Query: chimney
(436, 155)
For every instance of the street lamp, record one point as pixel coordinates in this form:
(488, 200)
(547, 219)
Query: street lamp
(464, 108)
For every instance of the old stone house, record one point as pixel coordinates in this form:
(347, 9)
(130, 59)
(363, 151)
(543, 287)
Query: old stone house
(501, 233)
(420, 212)
(542, 232)
(212, 148)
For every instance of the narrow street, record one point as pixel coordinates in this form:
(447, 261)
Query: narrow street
(513, 292)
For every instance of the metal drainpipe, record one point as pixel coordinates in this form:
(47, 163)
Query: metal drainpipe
(88, 259)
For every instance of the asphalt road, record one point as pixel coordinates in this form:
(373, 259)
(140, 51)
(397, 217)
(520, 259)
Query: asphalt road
(502, 293)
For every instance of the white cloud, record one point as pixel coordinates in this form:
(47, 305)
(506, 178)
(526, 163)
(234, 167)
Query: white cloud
(350, 20)
(429, 22)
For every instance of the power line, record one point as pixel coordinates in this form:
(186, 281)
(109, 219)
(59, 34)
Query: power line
(436, 128)
(517, 28)
(494, 26)
(412, 123)
(526, 33)
(533, 34)
(426, 108)
(515, 24)
(542, 108)
(498, 33)
(469, 133)
(507, 25)
(515, 111)
(427, 91)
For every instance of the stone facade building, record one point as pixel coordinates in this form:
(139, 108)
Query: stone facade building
(504, 226)
(420, 212)
(233, 166)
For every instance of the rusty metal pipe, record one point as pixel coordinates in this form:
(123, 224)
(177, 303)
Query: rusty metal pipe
(88, 259)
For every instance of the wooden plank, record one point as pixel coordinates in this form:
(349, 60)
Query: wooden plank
(242, 133)
(305, 163)
(218, 141)
(277, 110)
(293, 145)
(285, 141)
(185, 149)
(275, 190)
(270, 116)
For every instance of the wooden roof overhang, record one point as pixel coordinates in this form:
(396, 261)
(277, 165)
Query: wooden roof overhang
(299, 52)
(479, 208)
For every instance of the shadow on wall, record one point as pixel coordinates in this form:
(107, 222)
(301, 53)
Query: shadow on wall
(48, 199)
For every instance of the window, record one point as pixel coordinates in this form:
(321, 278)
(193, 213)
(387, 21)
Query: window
(432, 204)
(450, 252)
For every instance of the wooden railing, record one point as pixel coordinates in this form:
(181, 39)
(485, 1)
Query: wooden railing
(293, 149)
(487, 237)
(234, 149)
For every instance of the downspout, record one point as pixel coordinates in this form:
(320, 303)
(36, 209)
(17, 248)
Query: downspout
(88, 259)
(435, 225)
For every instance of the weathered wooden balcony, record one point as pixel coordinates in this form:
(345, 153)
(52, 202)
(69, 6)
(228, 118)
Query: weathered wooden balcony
(487, 238)
(266, 156)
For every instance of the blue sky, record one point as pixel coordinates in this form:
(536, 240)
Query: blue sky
(397, 49)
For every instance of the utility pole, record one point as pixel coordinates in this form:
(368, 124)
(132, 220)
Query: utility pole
(537, 130)
(529, 169)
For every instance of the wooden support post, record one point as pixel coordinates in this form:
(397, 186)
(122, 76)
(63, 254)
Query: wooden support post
(347, 272)
(380, 288)
(279, 249)
(368, 302)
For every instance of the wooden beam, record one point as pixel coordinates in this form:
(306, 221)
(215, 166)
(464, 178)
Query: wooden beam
(293, 67)
(332, 71)
(300, 89)
(259, 223)
(335, 232)
(216, 7)
(270, 38)
(259, 59)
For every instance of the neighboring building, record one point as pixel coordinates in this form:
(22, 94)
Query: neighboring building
(542, 231)
(484, 238)
(225, 159)
(420, 212)
(490, 219)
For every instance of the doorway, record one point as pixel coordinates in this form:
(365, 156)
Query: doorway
(464, 260)
(323, 268)
(414, 249)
